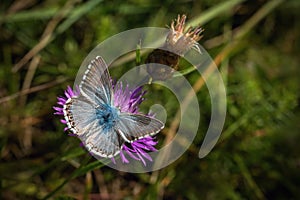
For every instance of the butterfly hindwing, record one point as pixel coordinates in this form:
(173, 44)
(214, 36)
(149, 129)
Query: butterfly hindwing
(102, 142)
(136, 126)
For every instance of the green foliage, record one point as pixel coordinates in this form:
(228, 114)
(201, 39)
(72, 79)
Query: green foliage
(257, 156)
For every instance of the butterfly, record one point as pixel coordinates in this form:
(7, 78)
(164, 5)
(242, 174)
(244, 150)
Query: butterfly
(101, 126)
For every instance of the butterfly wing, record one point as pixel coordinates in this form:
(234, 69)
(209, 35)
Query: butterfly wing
(102, 142)
(80, 112)
(96, 84)
(81, 118)
(136, 126)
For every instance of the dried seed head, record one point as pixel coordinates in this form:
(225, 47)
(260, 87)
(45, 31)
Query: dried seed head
(177, 43)
(179, 40)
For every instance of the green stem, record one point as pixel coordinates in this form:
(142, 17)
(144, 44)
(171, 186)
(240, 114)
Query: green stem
(184, 71)
(248, 177)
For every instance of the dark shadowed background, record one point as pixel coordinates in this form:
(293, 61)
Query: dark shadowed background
(256, 46)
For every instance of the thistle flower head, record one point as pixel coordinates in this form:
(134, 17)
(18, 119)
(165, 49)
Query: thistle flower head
(126, 99)
(179, 40)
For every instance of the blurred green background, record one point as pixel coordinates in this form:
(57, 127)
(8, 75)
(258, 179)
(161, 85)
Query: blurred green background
(256, 46)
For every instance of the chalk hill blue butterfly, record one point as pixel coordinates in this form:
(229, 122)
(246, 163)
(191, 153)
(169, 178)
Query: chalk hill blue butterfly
(101, 126)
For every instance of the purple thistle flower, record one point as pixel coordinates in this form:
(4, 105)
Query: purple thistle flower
(127, 100)
(137, 149)
(69, 93)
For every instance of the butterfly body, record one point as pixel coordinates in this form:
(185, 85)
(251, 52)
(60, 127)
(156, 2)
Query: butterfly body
(101, 126)
(107, 116)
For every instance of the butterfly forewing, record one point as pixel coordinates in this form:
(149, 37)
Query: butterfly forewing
(136, 126)
(96, 84)
(79, 113)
